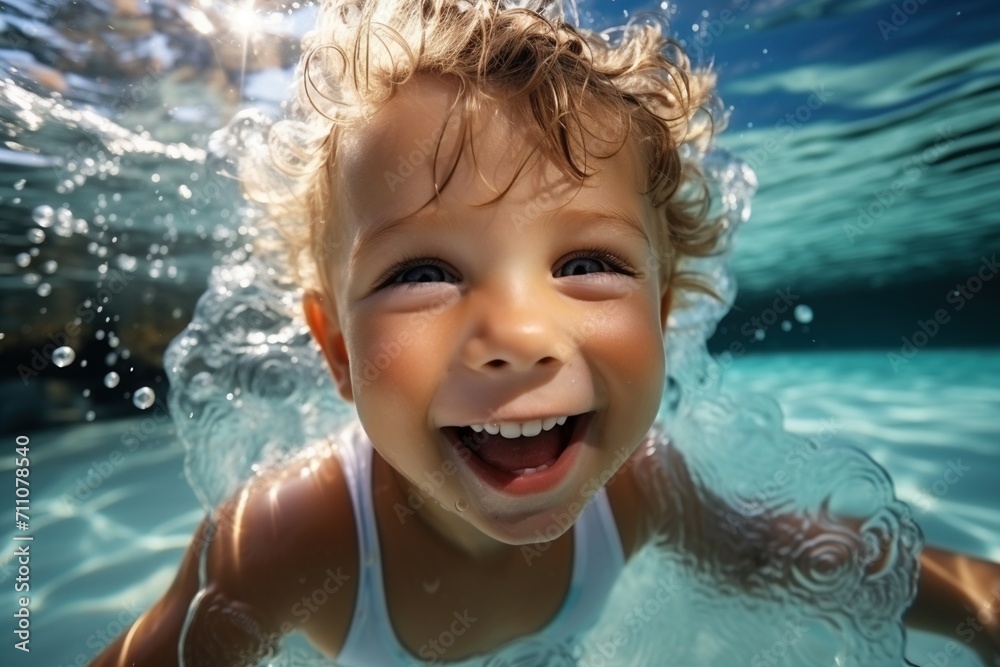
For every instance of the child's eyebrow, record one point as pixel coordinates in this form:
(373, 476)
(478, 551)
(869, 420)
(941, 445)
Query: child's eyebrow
(622, 218)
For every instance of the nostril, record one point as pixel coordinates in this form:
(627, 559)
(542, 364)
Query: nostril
(496, 363)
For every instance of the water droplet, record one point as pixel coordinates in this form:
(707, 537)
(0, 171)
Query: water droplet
(90, 415)
(803, 313)
(143, 398)
(111, 380)
(36, 235)
(42, 215)
(23, 259)
(63, 356)
(44, 289)
(461, 504)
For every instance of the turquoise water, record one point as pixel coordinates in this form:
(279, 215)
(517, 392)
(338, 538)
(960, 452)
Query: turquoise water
(874, 206)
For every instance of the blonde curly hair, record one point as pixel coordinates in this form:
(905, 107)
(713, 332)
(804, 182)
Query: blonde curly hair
(362, 51)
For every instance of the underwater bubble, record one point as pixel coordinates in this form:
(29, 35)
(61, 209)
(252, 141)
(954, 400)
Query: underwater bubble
(63, 356)
(86, 392)
(461, 505)
(126, 262)
(23, 259)
(51, 266)
(35, 235)
(99, 334)
(42, 215)
(803, 313)
(90, 415)
(20, 184)
(44, 289)
(111, 380)
(758, 334)
(143, 398)
(786, 325)
(184, 191)
(31, 278)
(110, 359)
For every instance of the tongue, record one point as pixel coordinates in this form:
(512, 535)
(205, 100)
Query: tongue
(515, 454)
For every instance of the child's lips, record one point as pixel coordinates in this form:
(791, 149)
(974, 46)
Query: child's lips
(520, 454)
(526, 464)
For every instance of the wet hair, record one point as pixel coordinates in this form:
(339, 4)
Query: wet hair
(635, 79)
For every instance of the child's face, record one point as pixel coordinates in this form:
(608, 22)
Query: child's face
(546, 303)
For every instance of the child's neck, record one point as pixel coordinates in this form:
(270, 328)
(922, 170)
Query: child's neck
(443, 525)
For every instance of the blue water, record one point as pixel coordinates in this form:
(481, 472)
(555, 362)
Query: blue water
(113, 126)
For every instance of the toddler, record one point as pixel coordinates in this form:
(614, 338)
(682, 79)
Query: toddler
(489, 211)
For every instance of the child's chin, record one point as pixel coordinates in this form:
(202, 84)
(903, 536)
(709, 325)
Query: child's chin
(541, 525)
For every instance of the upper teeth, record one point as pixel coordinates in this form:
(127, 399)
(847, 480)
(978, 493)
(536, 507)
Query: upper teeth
(517, 429)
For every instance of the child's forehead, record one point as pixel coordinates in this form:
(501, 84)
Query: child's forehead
(388, 164)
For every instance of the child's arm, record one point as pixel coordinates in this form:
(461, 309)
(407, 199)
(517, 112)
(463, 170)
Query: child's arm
(282, 558)
(153, 639)
(957, 596)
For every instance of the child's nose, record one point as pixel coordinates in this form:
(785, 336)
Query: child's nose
(516, 331)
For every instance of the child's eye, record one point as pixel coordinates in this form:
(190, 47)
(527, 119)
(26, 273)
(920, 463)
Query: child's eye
(586, 262)
(418, 271)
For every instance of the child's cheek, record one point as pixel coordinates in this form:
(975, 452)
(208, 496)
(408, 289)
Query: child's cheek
(631, 349)
(391, 359)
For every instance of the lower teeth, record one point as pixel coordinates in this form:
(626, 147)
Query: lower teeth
(528, 471)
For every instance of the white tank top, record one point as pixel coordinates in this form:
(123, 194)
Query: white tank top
(597, 561)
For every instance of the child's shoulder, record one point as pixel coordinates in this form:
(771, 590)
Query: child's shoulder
(287, 540)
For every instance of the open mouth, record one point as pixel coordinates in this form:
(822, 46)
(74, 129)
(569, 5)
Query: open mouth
(507, 452)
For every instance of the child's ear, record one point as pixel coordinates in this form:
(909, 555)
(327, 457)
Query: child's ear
(666, 300)
(325, 329)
